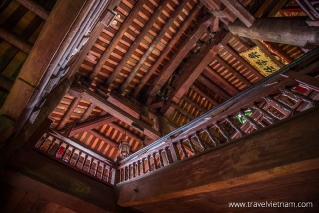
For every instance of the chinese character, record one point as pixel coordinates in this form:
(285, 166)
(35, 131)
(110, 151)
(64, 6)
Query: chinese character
(270, 69)
(261, 62)
(253, 55)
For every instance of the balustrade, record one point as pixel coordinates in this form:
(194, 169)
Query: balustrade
(72, 154)
(271, 100)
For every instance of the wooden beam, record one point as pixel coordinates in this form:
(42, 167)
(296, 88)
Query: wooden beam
(203, 94)
(193, 103)
(119, 113)
(231, 89)
(276, 48)
(179, 56)
(87, 113)
(116, 39)
(167, 49)
(92, 124)
(35, 8)
(213, 87)
(262, 8)
(268, 52)
(124, 104)
(155, 42)
(156, 105)
(68, 113)
(180, 110)
(60, 184)
(103, 137)
(125, 131)
(5, 83)
(257, 74)
(278, 6)
(297, 152)
(38, 66)
(238, 10)
(15, 40)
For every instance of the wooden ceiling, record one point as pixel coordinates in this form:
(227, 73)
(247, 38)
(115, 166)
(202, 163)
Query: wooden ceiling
(170, 58)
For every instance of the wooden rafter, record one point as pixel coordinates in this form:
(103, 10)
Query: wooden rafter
(87, 113)
(106, 54)
(35, 8)
(68, 113)
(179, 56)
(213, 87)
(103, 137)
(117, 112)
(167, 49)
(135, 45)
(157, 39)
(203, 94)
(238, 10)
(92, 124)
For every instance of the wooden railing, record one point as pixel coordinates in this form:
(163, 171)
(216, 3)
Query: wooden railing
(275, 98)
(311, 7)
(76, 156)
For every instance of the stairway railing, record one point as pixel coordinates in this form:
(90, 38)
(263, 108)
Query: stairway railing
(275, 98)
(76, 156)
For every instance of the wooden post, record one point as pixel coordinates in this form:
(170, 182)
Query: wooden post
(296, 31)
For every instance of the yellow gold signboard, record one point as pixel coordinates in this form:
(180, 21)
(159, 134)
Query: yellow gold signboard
(260, 61)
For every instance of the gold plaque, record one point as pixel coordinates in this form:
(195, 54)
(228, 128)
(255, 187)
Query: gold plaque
(260, 61)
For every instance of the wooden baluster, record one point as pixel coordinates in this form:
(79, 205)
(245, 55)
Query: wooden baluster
(193, 148)
(87, 165)
(41, 141)
(183, 149)
(130, 170)
(149, 163)
(160, 158)
(212, 137)
(121, 175)
(47, 144)
(138, 168)
(200, 141)
(106, 173)
(112, 176)
(173, 150)
(99, 170)
(54, 147)
(68, 153)
(80, 163)
(237, 128)
(278, 104)
(249, 120)
(261, 124)
(265, 114)
(126, 173)
(74, 158)
(169, 161)
(143, 166)
(224, 133)
(297, 96)
(154, 160)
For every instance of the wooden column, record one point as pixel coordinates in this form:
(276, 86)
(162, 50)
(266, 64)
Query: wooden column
(293, 31)
(163, 125)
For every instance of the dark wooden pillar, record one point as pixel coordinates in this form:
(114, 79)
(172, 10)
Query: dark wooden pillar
(163, 123)
(293, 31)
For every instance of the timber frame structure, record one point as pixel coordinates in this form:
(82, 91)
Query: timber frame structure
(218, 100)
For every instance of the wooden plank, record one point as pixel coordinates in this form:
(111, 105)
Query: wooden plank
(155, 42)
(213, 87)
(167, 49)
(262, 8)
(35, 8)
(238, 10)
(179, 56)
(278, 6)
(296, 154)
(92, 124)
(116, 39)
